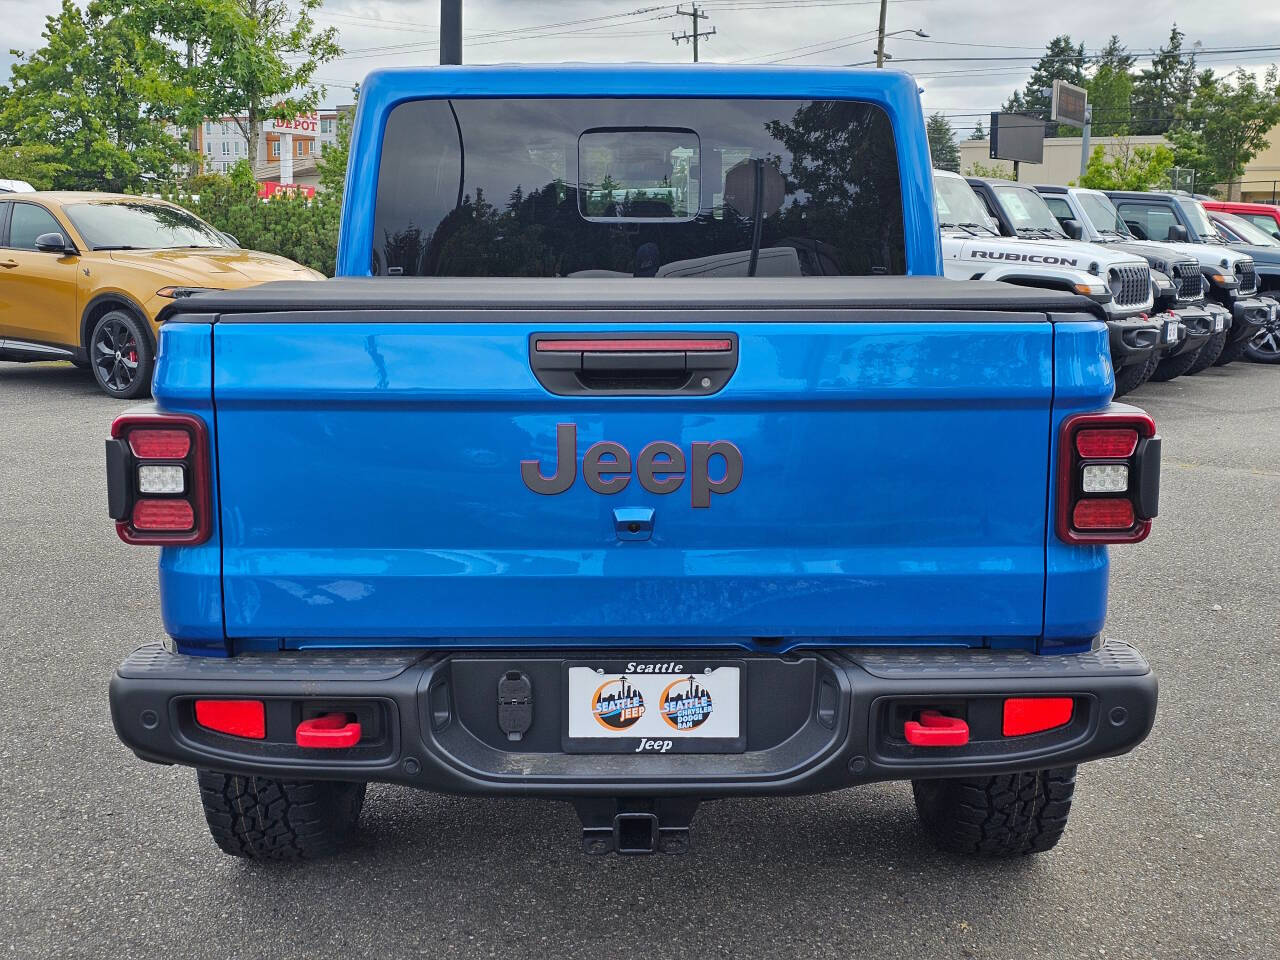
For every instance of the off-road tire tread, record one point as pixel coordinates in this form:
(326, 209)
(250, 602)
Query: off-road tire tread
(1009, 815)
(1231, 353)
(1175, 366)
(263, 819)
(1130, 378)
(1209, 353)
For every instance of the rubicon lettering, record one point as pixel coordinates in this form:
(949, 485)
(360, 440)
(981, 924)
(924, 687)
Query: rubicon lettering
(660, 467)
(1023, 257)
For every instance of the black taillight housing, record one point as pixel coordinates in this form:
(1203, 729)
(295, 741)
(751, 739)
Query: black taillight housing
(1108, 476)
(158, 478)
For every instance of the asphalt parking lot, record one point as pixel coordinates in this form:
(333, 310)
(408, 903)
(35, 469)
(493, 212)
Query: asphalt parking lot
(1171, 851)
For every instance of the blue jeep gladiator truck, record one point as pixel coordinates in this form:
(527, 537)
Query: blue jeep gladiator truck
(638, 455)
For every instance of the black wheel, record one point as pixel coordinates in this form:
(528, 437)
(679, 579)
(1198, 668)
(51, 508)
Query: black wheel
(120, 355)
(1130, 377)
(1265, 346)
(263, 819)
(1230, 353)
(1003, 816)
(1208, 353)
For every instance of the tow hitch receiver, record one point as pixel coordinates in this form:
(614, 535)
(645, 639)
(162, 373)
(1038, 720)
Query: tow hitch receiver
(635, 825)
(935, 729)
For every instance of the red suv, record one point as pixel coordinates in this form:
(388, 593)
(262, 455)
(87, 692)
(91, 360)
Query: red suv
(1265, 216)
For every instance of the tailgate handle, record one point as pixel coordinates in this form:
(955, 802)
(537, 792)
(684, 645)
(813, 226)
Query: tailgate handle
(636, 364)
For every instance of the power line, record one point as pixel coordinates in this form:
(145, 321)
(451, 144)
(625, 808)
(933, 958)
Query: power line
(805, 46)
(691, 36)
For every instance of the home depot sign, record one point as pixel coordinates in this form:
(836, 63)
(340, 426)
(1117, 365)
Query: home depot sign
(269, 188)
(302, 123)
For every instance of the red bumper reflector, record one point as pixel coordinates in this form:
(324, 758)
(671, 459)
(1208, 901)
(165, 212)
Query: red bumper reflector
(160, 444)
(935, 729)
(1110, 514)
(1117, 443)
(632, 346)
(332, 731)
(1023, 715)
(163, 515)
(240, 718)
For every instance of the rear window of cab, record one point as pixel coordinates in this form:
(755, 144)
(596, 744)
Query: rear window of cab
(637, 188)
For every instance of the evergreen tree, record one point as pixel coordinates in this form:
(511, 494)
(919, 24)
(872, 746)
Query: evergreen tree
(1062, 60)
(1163, 90)
(1111, 89)
(979, 132)
(942, 143)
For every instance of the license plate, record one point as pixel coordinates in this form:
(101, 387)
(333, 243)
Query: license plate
(654, 707)
(1217, 323)
(1170, 332)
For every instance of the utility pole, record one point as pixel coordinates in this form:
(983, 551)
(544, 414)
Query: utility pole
(695, 14)
(884, 10)
(450, 31)
(1084, 138)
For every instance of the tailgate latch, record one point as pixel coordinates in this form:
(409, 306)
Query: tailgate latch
(515, 704)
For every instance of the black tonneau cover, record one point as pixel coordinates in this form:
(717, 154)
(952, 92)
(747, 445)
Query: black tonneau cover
(987, 300)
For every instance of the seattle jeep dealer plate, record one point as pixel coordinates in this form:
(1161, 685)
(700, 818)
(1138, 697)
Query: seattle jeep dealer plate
(648, 706)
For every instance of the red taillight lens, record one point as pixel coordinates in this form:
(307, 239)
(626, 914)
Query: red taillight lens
(1023, 715)
(163, 515)
(1104, 444)
(158, 482)
(160, 444)
(239, 718)
(1108, 476)
(1110, 514)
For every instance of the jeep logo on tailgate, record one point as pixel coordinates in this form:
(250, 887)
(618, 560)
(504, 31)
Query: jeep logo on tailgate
(660, 467)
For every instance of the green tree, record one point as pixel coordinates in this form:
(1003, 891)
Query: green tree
(997, 169)
(1226, 124)
(1131, 168)
(979, 132)
(1062, 60)
(249, 60)
(1163, 90)
(942, 143)
(1111, 89)
(38, 164)
(94, 93)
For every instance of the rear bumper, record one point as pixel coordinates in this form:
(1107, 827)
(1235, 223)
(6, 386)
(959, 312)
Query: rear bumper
(812, 721)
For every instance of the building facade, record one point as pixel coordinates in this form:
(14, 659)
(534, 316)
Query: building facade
(221, 143)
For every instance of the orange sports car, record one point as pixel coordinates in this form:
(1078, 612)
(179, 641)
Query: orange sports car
(83, 277)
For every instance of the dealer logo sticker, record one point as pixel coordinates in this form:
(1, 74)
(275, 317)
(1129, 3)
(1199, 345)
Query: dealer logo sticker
(617, 704)
(685, 704)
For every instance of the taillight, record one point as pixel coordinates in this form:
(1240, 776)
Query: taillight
(158, 478)
(1108, 477)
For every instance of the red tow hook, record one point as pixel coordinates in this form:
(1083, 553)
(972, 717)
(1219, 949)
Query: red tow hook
(332, 731)
(935, 729)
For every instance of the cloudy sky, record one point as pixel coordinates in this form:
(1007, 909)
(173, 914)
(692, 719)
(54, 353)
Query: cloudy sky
(976, 53)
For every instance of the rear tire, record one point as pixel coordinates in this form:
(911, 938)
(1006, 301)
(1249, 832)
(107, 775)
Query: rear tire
(263, 819)
(1209, 353)
(1010, 815)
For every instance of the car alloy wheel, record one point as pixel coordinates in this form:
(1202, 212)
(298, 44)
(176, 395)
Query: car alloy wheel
(1265, 346)
(115, 354)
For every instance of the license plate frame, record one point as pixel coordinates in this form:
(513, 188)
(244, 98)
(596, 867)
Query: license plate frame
(722, 680)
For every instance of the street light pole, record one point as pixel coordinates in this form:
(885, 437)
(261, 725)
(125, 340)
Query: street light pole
(884, 10)
(450, 31)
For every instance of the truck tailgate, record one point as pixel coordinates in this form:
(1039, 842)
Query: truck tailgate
(893, 484)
